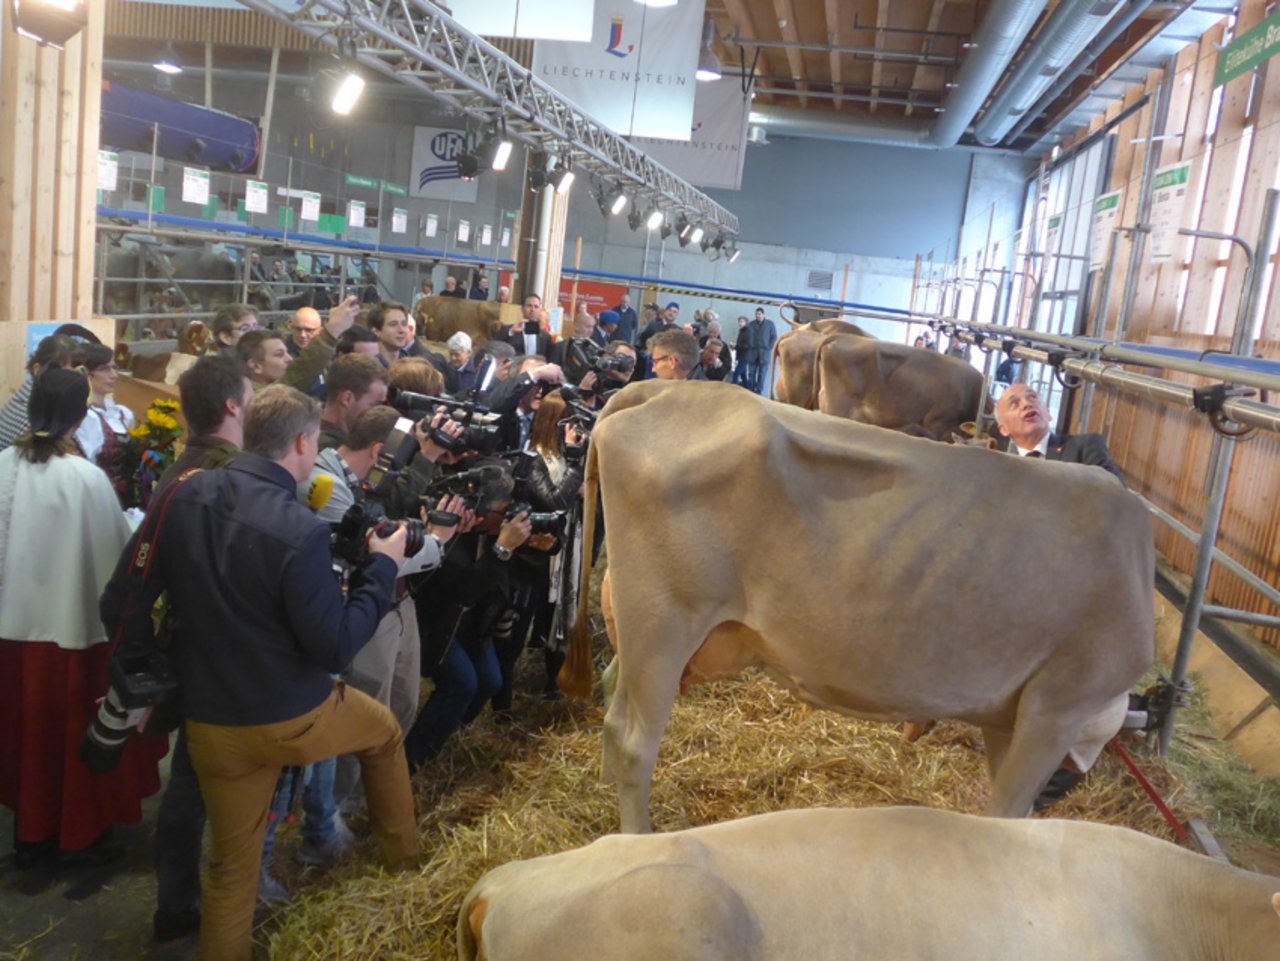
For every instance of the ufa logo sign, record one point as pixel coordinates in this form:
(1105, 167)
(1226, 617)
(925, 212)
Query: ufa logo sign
(445, 147)
(615, 40)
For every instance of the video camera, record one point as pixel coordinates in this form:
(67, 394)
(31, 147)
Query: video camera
(350, 540)
(582, 354)
(480, 433)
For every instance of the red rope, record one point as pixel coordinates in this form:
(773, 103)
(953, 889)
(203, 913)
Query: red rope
(1179, 831)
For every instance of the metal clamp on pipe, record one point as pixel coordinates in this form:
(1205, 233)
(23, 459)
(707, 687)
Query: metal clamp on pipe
(1068, 381)
(1210, 400)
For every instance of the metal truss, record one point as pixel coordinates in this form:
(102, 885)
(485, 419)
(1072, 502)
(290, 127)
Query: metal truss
(418, 44)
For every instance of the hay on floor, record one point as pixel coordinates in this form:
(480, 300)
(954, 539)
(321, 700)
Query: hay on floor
(735, 748)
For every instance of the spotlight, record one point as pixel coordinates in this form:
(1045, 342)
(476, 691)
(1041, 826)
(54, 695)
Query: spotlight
(562, 177)
(619, 201)
(683, 227)
(468, 165)
(499, 152)
(350, 87)
(666, 231)
(705, 243)
(538, 170)
(634, 218)
(50, 22)
(696, 236)
(733, 254)
(602, 201)
(168, 61)
(719, 241)
(708, 62)
(655, 219)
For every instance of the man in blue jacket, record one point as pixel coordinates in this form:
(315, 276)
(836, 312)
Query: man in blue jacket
(259, 627)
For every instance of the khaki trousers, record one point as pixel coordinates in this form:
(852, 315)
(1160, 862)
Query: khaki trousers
(238, 768)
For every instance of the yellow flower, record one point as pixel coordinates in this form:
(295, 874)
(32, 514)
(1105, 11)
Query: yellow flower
(168, 423)
(163, 404)
(141, 432)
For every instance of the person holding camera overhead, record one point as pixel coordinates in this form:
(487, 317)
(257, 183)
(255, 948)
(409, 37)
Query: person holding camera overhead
(261, 624)
(61, 531)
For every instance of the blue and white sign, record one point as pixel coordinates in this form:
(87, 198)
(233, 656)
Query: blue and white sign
(636, 75)
(434, 174)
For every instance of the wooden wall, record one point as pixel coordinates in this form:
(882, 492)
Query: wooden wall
(1192, 302)
(49, 112)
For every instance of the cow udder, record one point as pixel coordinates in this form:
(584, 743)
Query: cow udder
(728, 650)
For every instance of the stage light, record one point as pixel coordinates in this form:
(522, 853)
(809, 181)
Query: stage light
(500, 147)
(468, 165)
(350, 87)
(49, 22)
(696, 236)
(708, 62)
(655, 219)
(682, 230)
(562, 177)
(733, 254)
(619, 202)
(634, 218)
(168, 62)
(538, 170)
(665, 231)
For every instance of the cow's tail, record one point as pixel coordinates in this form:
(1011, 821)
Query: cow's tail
(815, 381)
(794, 319)
(576, 675)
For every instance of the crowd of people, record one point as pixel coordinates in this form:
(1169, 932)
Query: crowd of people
(353, 512)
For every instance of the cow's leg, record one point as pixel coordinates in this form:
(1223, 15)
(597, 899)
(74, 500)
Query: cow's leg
(633, 730)
(1047, 726)
(996, 741)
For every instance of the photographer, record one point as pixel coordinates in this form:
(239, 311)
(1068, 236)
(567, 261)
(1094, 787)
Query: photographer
(258, 625)
(388, 667)
(457, 611)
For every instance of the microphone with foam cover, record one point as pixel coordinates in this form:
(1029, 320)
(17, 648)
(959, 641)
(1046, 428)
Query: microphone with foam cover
(320, 491)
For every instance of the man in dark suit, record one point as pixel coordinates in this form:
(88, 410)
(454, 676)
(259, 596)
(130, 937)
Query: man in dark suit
(1024, 419)
(529, 338)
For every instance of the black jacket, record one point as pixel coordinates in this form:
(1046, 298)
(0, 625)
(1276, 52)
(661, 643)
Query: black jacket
(259, 623)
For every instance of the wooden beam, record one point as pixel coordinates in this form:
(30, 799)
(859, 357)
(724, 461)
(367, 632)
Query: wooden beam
(87, 172)
(833, 39)
(795, 58)
(935, 18)
(43, 179)
(17, 146)
(882, 21)
(745, 30)
(64, 226)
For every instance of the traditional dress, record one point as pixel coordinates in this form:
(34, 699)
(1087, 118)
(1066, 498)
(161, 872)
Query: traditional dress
(61, 534)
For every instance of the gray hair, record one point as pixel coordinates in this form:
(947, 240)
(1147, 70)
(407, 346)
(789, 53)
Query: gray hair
(274, 419)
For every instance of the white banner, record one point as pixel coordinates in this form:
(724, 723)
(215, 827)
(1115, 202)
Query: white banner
(636, 73)
(1169, 194)
(1106, 214)
(195, 186)
(399, 220)
(713, 154)
(431, 226)
(108, 169)
(310, 206)
(464, 231)
(531, 19)
(355, 213)
(435, 166)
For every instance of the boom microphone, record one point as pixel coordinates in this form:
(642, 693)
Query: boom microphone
(320, 491)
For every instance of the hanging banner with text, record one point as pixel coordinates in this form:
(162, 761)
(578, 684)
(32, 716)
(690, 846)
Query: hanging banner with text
(255, 196)
(1248, 50)
(1106, 214)
(530, 19)
(595, 295)
(713, 154)
(1168, 208)
(434, 173)
(636, 73)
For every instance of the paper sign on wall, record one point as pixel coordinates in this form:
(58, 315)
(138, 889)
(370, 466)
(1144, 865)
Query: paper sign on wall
(355, 213)
(108, 169)
(310, 206)
(399, 220)
(464, 231)
(195, 186)
(506, 237)
(486, 235)
(1051, 235)
(1168, 207)
(255, 197)
(1106, 214)
(636, 75)
(431, 226)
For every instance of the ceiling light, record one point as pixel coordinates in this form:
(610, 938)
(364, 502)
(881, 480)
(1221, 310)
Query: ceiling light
(719, 241)
(655, 219)
(704, 243)
(49, 22)
(619, 202)
(708, 62)
(350, 87)
(696, 236)
(657, 3)
(468, 165)
(633, 218)
(666, 231)
(683, 227)
(561, 178)
(733, 255)
(168, 61)
(537, 175)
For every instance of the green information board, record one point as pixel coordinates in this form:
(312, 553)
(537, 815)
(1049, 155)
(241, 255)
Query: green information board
(157, 200)
(331, 224)
(356, 181)
(285, 217)
(394, 189)
(1248, 50)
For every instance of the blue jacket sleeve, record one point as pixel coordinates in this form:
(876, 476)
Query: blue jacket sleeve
(330, 630)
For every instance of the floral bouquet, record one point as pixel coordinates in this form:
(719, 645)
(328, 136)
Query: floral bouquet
(152, 445)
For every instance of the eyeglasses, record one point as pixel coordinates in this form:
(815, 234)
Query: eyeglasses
(658, 360)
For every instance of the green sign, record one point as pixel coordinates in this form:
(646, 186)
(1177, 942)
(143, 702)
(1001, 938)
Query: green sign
(1106, 202)
(1173, 177)
(210, 210)
(1055, 221)
(1248, 50)
(157, 199)
(284, 215)
(354, 181)
(332, 224)
(394, 189)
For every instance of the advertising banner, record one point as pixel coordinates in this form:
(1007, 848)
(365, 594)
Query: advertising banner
(636, 74)
(717, 144)
(596, 296)
(530, 19)
(434, 173)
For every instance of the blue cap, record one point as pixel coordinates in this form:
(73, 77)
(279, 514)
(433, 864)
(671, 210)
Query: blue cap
(609, 318)
(673, 304)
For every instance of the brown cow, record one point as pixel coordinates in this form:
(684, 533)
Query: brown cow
(793, 356)
(909, 531)
(445, 316)
(876, 883)
(903, 388)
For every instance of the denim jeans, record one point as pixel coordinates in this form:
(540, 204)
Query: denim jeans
(464, 684)
(318, 806)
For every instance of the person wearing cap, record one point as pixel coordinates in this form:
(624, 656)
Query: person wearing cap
(665, 321)
(61, 533)
(606, 327)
